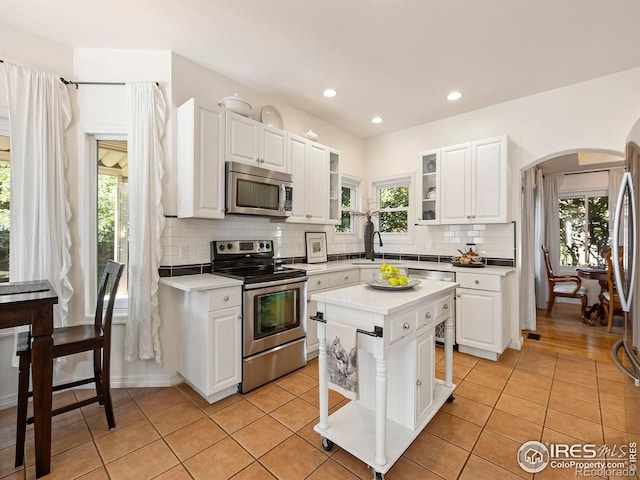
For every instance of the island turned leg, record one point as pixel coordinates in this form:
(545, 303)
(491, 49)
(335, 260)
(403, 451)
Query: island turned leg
(323, 383)
(448, 351)
(381, 411)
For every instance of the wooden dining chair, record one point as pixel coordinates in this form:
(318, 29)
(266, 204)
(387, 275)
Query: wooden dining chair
(609, 298)
(95, 337)
(567, 286)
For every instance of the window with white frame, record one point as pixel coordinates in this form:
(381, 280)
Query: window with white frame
(393, 201)
(584, 227)
(106, 214)
(350, 193)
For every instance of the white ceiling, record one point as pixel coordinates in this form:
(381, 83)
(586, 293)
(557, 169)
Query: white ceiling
(393, 58)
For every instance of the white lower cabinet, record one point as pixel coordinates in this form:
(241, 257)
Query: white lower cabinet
(425, 374)
(481, 306)
(316, 283)
(209, 354)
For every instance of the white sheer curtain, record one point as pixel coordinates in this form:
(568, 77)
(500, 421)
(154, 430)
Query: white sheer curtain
(615, 179)
(147, 112)
(39, 114)
(541, 272)
(527, 273)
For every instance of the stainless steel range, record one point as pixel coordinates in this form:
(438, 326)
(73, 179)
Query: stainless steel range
(274, 309)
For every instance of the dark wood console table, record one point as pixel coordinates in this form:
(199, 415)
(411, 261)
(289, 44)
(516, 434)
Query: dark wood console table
(31, 303)
(600, 274)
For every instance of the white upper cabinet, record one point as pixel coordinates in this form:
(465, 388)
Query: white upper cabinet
(428, 188)
(310, 170)
(474, 182)
(254, 143)
(200, 151)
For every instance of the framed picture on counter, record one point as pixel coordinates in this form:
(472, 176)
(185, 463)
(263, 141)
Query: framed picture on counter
(316, 247)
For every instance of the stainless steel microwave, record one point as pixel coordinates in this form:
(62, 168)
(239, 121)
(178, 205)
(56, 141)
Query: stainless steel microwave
(257, 191)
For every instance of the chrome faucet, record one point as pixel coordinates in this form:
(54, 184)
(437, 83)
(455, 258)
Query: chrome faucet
(373, 236)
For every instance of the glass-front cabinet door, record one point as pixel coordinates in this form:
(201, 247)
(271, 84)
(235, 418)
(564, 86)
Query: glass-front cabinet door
(428, 188)
(335, 190)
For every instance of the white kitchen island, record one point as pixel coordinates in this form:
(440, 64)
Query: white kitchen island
(398, 393)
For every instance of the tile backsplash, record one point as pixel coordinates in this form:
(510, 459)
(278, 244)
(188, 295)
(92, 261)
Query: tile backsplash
(186, 241)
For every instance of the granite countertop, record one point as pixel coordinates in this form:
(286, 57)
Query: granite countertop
(365, 298)
(195, 283)
(318, 268)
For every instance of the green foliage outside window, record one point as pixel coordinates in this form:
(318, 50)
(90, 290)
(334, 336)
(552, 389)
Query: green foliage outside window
(584, 229)
(5, 222)
(345, 216)
(395, 200)
(107, 192)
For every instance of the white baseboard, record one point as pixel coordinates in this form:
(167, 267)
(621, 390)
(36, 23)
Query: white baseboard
(516, 344)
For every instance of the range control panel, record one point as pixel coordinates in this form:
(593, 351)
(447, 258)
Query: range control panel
(242, 246)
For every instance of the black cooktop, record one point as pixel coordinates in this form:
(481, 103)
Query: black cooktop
(260, 275)
(250, 261)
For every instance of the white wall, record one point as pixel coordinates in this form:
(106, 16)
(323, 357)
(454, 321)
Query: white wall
(595, 115)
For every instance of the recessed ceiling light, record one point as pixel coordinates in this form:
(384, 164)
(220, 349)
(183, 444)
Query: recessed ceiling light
(330, 93)
(454, 96)
(376, 120)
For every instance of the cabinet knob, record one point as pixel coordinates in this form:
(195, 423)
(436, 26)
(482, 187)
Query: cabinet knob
(445, 306)
(477, 282)
(458, 296)
(473, 216)
(347, 277)
(406, 326)
(419, 383)
(226, 298)
(468, 216)
(319, 282)
(428, 315)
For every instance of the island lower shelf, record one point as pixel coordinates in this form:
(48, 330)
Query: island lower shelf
(353, 429)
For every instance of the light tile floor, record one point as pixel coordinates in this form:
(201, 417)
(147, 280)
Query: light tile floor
(172, 433)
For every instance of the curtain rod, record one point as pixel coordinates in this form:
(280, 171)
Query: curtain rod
(578, 172)
(71, 82)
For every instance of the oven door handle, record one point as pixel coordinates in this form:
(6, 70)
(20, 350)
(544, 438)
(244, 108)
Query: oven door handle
(275, 283)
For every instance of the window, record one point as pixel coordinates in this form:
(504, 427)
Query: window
(349, 201)
(112, 222)
(393, 202)
(584, 228)
(5, 184)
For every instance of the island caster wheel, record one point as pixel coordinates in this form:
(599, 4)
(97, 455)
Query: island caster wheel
(451, 398)
(327, 444)
(378, 476)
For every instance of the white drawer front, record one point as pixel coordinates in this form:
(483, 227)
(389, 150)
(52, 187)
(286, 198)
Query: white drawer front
(444, 309)
(318, 282)
(402, 326)
(479, 281)
(426, 316)
(345, 277)
(225, 298)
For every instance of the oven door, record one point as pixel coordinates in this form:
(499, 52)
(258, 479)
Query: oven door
(274, 314)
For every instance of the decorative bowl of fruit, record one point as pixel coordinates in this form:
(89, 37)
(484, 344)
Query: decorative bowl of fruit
(389, 277)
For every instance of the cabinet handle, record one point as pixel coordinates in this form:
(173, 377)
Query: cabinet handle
(445, 306)
(477, 282)
(226, 298)
(428, 315)
(419, 383)
(406, 326)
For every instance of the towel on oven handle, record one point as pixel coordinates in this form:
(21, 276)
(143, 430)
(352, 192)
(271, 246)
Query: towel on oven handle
(342, 353)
